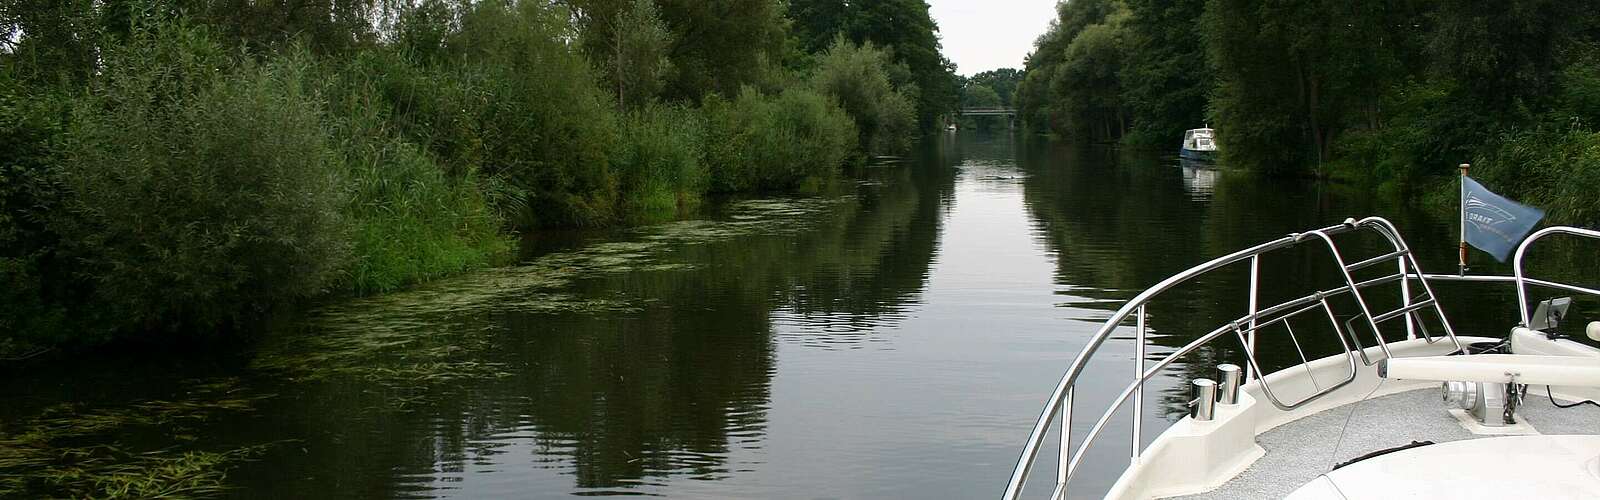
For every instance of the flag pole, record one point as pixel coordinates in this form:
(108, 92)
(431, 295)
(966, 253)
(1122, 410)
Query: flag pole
(1462, 263)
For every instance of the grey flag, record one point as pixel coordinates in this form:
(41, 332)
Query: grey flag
(1493, 223)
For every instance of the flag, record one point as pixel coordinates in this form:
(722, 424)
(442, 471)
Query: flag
(1493, 223)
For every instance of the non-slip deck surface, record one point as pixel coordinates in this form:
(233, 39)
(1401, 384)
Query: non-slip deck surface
(1299, 451)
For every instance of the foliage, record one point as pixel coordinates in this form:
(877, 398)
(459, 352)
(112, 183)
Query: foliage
(1042, 91)
(1003, 82)
(174, 206)
(1555, 166)
(1164, 78)
(29, 124)
(634, 51)
(1090, 81)
(1390, 93)
(902, 26)
(414, 220)
(857, 78)
(188, 165)
(723, 45)
(505, 95)
(794, 140)
(659, 161)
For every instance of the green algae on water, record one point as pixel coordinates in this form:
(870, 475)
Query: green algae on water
(45, 456)
(439, 332)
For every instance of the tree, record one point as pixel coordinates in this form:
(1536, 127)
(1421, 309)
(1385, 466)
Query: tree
(977, 95)
(1293, 76)
(1504, 54)
(1164, 78)
(636, 62)
(713, 46)
(903, 26)
(857, 78)
(1073, 85)
(1088, 82)
(723, 45)
(1039, 103)
(1002, 81)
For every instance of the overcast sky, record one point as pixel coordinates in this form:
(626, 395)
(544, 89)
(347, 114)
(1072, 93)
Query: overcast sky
(980, 35)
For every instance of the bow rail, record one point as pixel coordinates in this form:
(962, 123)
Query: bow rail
(1245, 327)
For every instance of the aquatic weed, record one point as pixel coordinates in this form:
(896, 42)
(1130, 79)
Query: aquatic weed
(437, 333)
(44, 457)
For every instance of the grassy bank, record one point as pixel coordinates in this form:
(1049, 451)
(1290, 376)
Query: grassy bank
(166, 169)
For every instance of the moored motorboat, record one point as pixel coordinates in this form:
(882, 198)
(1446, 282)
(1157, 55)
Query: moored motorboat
(1199, 144)
(1362, 419)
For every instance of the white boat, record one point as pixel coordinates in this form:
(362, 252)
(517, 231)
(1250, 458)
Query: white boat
(1199, 144)
(1398, 405)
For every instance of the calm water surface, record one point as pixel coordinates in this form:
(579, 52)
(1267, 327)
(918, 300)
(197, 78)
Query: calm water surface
(896, 341)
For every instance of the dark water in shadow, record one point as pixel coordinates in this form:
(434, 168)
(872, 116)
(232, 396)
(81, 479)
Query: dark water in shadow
(897, 341)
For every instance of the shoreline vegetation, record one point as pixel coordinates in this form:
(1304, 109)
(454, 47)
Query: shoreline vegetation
(1392, 95)
(186, 168)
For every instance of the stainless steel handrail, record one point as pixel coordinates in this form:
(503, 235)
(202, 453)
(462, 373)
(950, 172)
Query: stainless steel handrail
(1522, 281)
(1061, 399)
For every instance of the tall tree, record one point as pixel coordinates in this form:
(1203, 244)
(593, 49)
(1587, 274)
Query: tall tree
(1073, 85)
(717, 46)
(723, 45)
(1298, 74)
(636, 63)
(905, 26)
(1165, 77)
(1504, 53)
(857, 78)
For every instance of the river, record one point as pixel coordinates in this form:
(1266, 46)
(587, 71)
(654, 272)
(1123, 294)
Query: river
(893, 341)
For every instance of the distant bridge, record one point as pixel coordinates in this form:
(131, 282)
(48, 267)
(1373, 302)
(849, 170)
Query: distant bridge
(1010, 114)
(989, 112)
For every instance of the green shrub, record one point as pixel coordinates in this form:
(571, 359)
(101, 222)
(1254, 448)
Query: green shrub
(29, 123)
(505, 94)
(413, 220)
(795, 140)
(858, 78)
(659, 162)
(198, 191)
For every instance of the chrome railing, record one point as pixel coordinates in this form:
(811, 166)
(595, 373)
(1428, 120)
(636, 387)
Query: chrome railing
(1523, 281)
(1061, 399)
(1519, 277)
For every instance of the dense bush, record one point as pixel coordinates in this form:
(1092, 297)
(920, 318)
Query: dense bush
(796, 139)
(413, 219)
(858, 78)
(501, 91)
(190, 199)
(29, 123)
(660, 161)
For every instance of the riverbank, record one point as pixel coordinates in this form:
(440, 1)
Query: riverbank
(181, 172)
(1347, 93)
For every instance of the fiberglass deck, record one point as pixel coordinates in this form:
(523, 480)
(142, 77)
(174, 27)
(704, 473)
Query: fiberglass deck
(1299, 451)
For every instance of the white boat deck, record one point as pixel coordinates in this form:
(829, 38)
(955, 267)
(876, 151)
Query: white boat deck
(1299, 451)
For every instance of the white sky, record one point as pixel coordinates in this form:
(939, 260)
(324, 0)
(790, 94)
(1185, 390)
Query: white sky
(980, 35)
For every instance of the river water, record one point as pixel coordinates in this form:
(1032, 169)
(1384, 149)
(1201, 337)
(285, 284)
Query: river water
(895, 340)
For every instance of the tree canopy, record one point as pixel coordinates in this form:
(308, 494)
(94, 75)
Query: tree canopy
(903, 26)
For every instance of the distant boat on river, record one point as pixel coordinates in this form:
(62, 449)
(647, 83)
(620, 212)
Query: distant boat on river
(1199, 144)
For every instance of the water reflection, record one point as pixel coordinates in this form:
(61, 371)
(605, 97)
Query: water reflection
(1199, 179)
